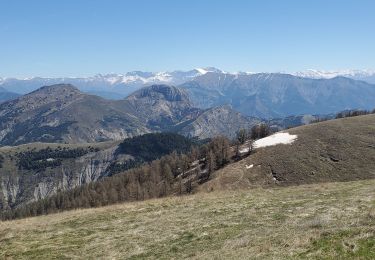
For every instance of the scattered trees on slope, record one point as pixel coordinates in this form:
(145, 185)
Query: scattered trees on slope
(174, 173)
(351, 113)
(256, 132)
(242, 136)
(260, 131)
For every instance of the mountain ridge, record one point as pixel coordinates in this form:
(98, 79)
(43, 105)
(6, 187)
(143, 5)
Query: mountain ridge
(62, 113)
(118, 86)
(280, 95)
(365, 75)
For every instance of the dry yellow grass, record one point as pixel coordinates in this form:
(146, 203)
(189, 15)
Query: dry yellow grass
(332, 220)
(335, 150)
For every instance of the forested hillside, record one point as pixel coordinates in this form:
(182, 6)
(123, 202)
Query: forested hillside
(175, 173)
(40, 170)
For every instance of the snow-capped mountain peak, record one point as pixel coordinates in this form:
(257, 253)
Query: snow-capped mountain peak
(205, 70)
(123, 84)
(201, 71)
(357, 74)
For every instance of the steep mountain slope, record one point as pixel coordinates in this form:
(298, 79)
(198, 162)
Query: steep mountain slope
(34, 171)
(222, 120)
(162, 106)
(61, 113)
(168, 108)
(280, 95)
(335, 150)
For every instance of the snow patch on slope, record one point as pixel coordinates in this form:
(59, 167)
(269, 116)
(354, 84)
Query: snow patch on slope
(201, 71)
(278, 138)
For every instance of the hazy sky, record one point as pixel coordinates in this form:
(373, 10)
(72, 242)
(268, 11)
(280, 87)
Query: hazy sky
(85, 37)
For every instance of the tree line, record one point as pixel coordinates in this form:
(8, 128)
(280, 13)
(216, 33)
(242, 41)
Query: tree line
(343, 114)
(48, 157)
(175, 173)
(256, 132)
(351, 113)
(248, 136)
(149, 147)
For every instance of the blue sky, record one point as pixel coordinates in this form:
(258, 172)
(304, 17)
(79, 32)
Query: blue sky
(85, 37)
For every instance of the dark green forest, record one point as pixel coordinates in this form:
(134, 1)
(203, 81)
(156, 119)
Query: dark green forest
(48, 157)
(149, 147)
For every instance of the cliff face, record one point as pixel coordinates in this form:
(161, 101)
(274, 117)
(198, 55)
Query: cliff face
(216, 121)
(18, 186)
(9, 191)
(161, 107)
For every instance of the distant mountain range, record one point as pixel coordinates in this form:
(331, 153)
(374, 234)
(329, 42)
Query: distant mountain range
(62, 113)
(365, 75)
(114, 86)
(277, 95)
(262, 95)
(118, 86)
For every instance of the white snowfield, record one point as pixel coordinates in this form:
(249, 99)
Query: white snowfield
(278, 138)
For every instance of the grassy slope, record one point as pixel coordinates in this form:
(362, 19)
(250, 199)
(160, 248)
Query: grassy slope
(336, 150)
(331, 220)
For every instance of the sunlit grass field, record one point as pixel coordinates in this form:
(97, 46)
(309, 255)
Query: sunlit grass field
(332, 221)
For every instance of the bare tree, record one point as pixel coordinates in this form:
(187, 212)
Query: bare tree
(188, 186)
(241, 136)
(211, 162)
(237, 153)
(250, 146)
